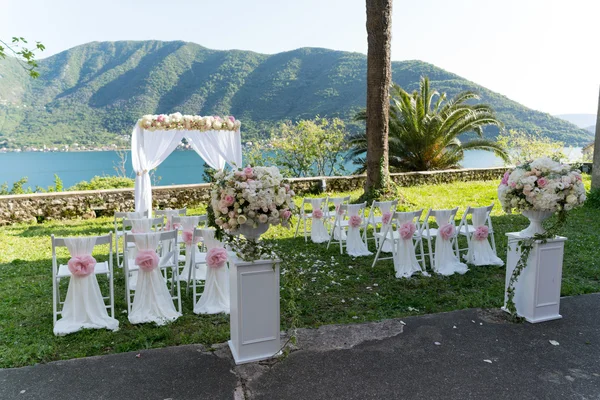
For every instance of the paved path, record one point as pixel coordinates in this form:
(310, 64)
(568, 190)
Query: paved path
(441, 356)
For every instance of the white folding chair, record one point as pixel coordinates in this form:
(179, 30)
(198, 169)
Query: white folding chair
(430, 233)
(388, 233)
(191, 254)
(341, 223)
(120, 230)
(60, 271)
(168, 265)
(332, 205)
(305, 216)
(374, 219)
(467, 229)
(168, 215)
(197, 274)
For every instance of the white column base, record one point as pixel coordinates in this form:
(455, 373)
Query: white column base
(254, 318)
(537, 290)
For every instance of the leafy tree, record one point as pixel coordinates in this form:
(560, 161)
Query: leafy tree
(310, 147)
(523, 146)
(25, 55)
(424, 130)
(379, 79)
(104, 182)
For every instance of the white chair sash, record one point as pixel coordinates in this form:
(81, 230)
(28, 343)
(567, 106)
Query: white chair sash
(141, 225)
(405, 259)
(386, 207)
(84, 306)
(445, 261)
(188, 224)
(356, 245)
(170, 214)
(480, 252)
(152, 301)
(318, 232)
(337, 233)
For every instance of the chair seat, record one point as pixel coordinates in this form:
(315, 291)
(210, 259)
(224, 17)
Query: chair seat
(394, 235)
(100, 268)
(464, 229)
(121, 233)
(377, 219)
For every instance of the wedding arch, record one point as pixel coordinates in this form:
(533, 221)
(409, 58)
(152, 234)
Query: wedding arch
(217, 140)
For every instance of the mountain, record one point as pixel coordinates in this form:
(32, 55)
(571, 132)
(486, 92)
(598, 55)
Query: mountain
(591, 129)
(581, 120)
(94, 93)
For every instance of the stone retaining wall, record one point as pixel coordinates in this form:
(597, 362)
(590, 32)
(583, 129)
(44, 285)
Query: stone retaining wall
(89, 204)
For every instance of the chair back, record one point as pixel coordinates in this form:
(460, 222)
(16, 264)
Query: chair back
(441, 216)
(335, 201)
(381, 207)
(169, 211)
(321, 201)
(154, 224)
(165, 240)
(100, 240)
(402, 217)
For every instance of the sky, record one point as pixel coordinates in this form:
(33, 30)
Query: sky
(537, 52)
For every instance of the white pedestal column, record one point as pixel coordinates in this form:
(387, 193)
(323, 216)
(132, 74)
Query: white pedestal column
(254, 291)
(537, 290)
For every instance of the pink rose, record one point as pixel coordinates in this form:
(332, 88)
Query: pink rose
(248, 171)
(386, 218)
(160, 118)
(286, 214)
(407, 230)
(187, 237)
(578, 177)
(225, 226)
(216, 257)
(355, 221)
(513, 185)
(481, 233)
(542, 182)
(229, 199)
(231, 119)
(318, 214)
(447, 231)
(82, 265)
(147, 259)
(505, 178)
(287, 187)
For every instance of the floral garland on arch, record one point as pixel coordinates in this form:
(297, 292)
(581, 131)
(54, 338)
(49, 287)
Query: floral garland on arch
(540, 185)
(249, 197)
(165, 122)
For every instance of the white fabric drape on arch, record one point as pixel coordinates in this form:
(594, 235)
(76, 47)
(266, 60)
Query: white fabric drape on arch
(150, 148)
(84, 306)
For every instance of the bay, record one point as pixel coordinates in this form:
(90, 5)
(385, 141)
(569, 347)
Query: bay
(181, 167)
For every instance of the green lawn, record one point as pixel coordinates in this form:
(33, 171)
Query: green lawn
(334, 288)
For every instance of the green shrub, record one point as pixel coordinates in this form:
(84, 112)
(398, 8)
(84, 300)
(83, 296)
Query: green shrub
(104, 182)
(593, 198)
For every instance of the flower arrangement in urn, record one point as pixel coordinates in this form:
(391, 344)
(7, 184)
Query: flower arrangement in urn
(247, 201)
(540, 188)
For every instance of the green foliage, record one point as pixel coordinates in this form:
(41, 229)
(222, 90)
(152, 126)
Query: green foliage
(17, 187)
(425, 128)
(593, 198)
(109, 85)
(523, 146)
(25, 56)
(104, 182)
(310, 147)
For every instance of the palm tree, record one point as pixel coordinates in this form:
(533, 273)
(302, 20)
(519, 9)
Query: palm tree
(379, 79)
(424, 130)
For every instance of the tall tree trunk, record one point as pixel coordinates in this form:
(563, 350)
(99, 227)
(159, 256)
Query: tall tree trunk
(596, 166)
(379, 79)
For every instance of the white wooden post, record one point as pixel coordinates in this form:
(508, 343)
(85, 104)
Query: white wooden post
(254, 291)
(537, 290)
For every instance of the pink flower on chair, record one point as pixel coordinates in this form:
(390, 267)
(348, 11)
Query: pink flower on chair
(82, 265)
(447, 231)
(187, 237)
(355, 221)
(407, 230)
(481, 233)
(216, 257)
(147, 259)
(318, 214)
(387, 217)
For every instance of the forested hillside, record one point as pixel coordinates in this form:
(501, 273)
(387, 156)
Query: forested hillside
(95, 92)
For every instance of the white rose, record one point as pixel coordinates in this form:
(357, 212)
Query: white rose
(571, 199)
(262, 218)
(237, 124)
(230, 124)
(242, 219)
(217, 124)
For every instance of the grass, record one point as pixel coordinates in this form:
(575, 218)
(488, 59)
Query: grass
(333, 288)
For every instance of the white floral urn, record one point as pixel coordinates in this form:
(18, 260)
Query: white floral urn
(253, 233)
(536, 218)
